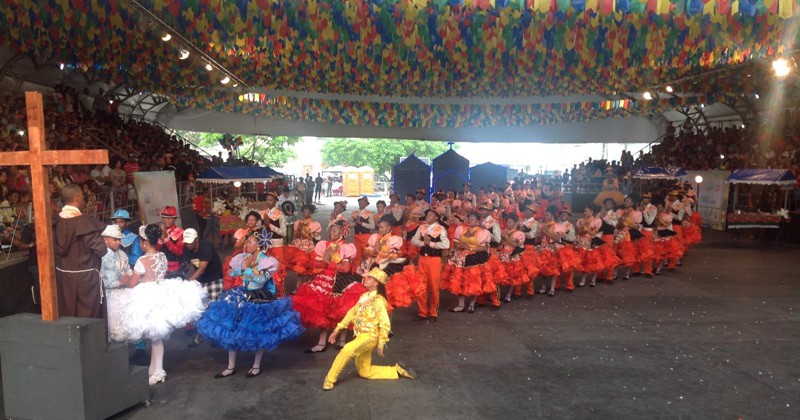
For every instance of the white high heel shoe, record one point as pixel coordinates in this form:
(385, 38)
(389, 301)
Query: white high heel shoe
(157, 377)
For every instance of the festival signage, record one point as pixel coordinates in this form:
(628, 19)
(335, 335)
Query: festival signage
(155, 190)
(713, 195)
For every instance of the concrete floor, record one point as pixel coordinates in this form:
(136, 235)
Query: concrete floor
(719, 338)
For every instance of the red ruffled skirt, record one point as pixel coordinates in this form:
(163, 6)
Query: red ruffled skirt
(569, 258)
(610, 258)
(228, 281)
(592, 261)
(473, 280)
(343, 302)
(692, 234)
(301, 262)
(668, 249)
(645, 249)
(314, 301)
(626, 252)
(548, 263)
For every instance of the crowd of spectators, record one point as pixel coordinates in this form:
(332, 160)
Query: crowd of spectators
(756, 144)
(83, 121)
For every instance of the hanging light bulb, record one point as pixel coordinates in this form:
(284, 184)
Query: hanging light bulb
(184, 55)
(61, 66)
(781, 67)
(166, 37)
(237, 184)
(225, 81)
(209, 67)
(669, 89)
(647, 95)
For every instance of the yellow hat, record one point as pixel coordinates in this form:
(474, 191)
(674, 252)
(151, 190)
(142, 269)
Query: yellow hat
(377, 274)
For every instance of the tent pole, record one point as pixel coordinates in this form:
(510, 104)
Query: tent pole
(735, 196)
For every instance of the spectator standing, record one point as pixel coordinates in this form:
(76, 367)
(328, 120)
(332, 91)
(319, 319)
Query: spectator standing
(202, 209)
(300, 191)
(309, 189)
(318, 187)
(330, 186)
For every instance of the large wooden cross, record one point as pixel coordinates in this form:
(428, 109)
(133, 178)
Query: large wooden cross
(37, 157)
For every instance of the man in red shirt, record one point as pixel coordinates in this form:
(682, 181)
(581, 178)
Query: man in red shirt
(202, 209)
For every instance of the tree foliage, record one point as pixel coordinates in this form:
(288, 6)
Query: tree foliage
(264, 150)
(379, 154)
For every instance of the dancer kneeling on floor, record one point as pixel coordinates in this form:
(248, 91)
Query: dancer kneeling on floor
(371, 325)
(249, 317)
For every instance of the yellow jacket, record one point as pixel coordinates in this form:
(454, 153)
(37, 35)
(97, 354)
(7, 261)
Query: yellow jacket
(369, 316)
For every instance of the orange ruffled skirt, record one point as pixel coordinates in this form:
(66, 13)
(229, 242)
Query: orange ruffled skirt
(516, 272)
(301, 262)
(403, 287)
(473, 280)
(548, 263)
(592, 261)
(626, 252)
(569, 258)
(529, 261)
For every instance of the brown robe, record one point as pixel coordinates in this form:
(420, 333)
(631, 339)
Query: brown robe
(79, 248)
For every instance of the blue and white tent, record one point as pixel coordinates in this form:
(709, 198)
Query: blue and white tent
(660, 172)
(762, 177)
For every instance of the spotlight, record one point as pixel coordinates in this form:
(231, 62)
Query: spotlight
(669, 89)
(184, 55)
(743, 126)
(235, 85)
(237, 184)
(781, 67)
(756, 96)
(647, 95)
(61, 66)
(209, 67)
(21, 132)
(722, 156)
(166, 37)
(225, 81)
(698, 179)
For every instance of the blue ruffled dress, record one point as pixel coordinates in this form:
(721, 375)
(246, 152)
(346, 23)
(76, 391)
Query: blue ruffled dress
(242, 319)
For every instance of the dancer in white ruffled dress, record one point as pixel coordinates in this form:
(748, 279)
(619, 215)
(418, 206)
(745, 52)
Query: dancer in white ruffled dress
(149, 307)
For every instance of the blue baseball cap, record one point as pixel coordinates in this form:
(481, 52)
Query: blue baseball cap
(121, 214)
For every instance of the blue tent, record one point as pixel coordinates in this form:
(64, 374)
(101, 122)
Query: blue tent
(762, 177)
(409, 175)
(225, 174)
(488, 174)
(450, 171)
(656, 172)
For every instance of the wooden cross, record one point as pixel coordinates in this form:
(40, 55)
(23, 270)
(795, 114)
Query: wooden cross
(450, 143)
(37, 157)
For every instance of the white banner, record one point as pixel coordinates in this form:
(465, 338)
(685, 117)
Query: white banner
(713, 193)
(155, 191)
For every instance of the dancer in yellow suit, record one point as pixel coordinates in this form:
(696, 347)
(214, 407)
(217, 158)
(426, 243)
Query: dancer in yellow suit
(371, 326)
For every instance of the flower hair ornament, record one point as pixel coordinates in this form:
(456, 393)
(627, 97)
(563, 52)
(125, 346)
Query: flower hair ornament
(141, 232)
(343, 224)
(264, 237)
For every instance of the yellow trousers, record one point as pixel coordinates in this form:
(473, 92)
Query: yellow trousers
(360, 348)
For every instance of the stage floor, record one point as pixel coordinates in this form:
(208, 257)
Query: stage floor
(719, 338)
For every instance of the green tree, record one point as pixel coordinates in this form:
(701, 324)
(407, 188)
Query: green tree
(379, 154)
(264, 150)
